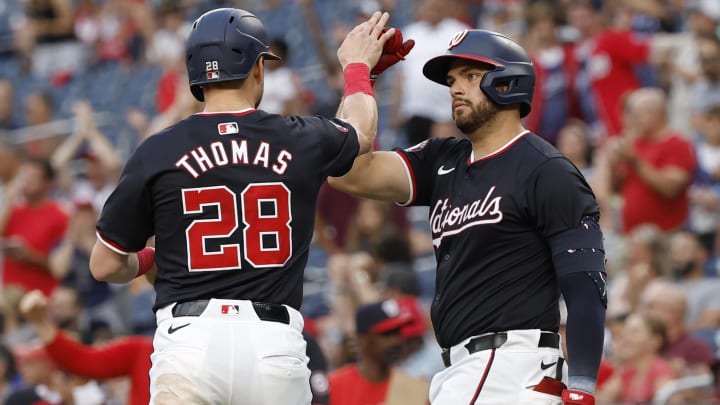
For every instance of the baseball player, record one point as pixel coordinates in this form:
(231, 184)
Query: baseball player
(513, 223)
(229, 194)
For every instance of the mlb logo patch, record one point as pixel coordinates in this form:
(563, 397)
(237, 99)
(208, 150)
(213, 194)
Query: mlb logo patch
(213, 75)
(230, 309)
(225, 128)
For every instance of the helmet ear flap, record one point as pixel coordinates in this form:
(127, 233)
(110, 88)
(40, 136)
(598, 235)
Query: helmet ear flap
(503, 87)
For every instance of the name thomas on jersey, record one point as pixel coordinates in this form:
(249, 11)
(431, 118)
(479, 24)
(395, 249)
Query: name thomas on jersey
(235, 152)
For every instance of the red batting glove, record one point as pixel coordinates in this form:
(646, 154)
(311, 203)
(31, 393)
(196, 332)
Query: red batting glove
(393, 52)
(576, 397)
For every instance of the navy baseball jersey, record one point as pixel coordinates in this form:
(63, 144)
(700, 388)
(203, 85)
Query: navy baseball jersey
(230, 198)
(490, 220)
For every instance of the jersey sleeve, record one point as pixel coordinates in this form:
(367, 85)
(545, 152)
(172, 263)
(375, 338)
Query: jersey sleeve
(559, 197)
(419, 161)
(126, 221)
(336, 140)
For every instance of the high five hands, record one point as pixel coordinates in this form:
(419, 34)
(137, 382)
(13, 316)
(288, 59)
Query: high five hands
(375, 45)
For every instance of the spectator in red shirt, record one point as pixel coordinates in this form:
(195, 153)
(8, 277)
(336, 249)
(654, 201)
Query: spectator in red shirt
(667, 303)
(32, 224)
(642, 370)
(380, 345)
(129, 356)
(607, 58)
(654, 164)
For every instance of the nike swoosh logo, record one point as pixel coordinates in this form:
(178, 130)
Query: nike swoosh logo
(173, 330)
(442, 170)
(544, 366)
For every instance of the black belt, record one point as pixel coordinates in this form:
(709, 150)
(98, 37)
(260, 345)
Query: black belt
(264, 311)
(495, 340)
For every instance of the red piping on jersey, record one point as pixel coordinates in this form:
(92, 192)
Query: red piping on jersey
(111, 243)
(233, 113)
(501, 150)
(484, 377)
(412, 178)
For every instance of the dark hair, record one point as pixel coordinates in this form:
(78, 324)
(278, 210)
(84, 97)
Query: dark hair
(45, 166)
(393, 248)
(279, 47)
(401, 277)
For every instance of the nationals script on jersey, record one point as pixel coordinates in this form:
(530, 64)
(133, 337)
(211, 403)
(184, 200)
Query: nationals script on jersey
(230, 198)
(478, 210)
(447, 220)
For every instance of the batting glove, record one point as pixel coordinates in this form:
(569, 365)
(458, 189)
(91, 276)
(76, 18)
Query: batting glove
(576, 397)
(393, 52)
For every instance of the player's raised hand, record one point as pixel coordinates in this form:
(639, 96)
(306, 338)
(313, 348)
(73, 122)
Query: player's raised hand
(364, 44)
(394, 50)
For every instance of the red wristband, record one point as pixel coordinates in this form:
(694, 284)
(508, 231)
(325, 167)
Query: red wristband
(146, 260)
(357, 79)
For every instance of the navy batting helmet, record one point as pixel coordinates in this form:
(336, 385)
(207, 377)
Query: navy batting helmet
(224, 44)
(512, 66)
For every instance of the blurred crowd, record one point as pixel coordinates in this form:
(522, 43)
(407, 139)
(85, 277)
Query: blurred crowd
(629, 91)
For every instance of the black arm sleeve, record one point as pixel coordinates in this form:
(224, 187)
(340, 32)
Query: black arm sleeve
(585, 323)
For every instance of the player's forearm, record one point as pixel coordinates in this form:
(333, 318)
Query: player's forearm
(112, 267)
(123, 273)
(358, 181)
(360, 110)
(376, 175)
(585, 329)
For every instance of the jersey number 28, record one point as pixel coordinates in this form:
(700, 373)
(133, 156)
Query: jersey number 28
(266, 215)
